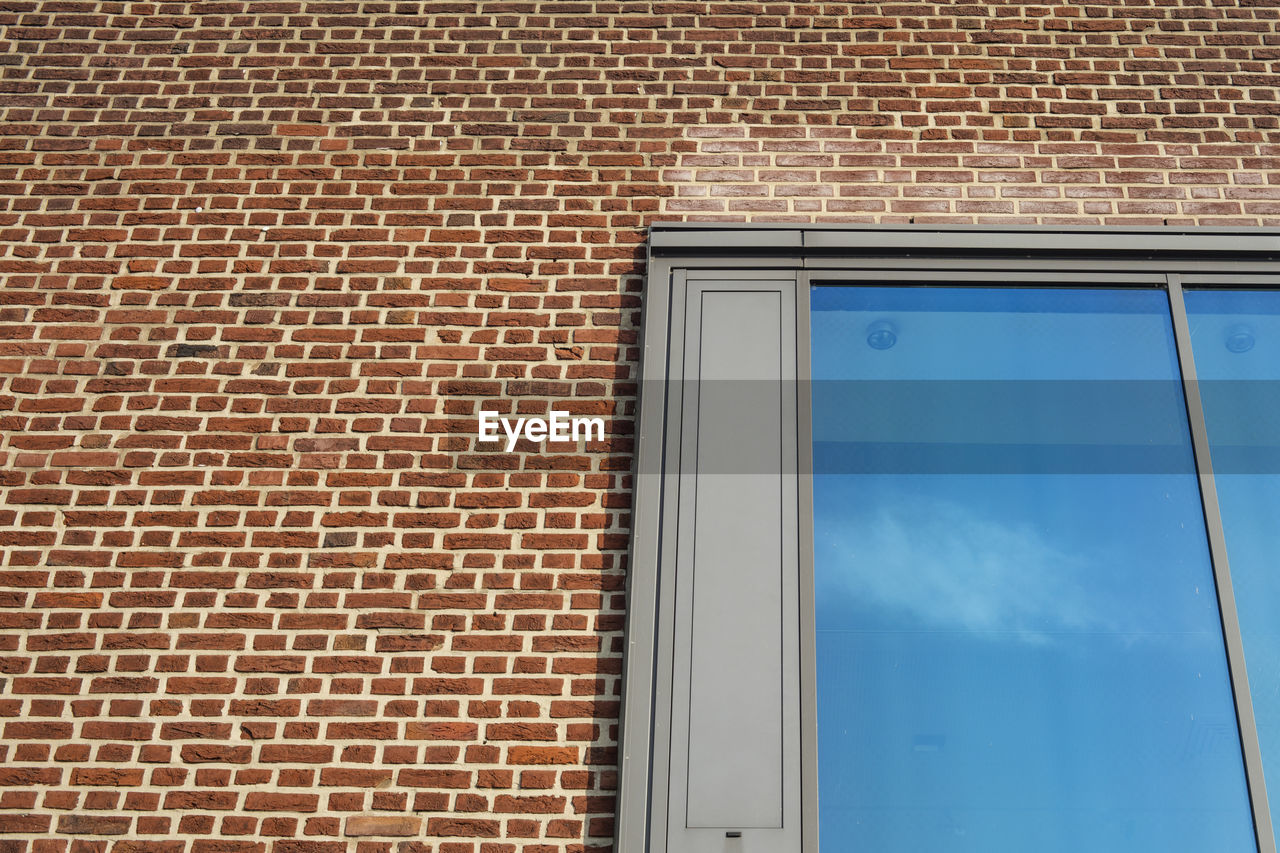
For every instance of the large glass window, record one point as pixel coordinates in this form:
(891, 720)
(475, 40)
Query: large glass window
(1235, 336)
(1019, 645)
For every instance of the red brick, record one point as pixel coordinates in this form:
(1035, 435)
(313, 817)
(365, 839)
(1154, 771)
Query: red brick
(246, 335)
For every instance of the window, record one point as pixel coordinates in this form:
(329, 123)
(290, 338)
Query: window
(935, 537)
(1018, 641)
(1235, 335)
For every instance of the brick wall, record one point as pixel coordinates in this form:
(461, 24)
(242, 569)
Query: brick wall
(261, 260)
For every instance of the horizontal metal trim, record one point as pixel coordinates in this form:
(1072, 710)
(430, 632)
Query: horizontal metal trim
(1210, 270)
(1268, 279)
(726, 239)
(693, 225)
(901, 241)
(737, 261)
(1146, 242)
(837, 278)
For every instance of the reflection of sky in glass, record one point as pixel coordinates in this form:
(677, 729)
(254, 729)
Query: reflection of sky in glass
(1022, 660)
(1235, 338)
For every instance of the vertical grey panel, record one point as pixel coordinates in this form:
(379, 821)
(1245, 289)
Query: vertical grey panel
(736, 667)
(638, 725)
(733, 745)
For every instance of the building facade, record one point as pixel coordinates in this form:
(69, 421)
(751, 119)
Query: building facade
(265, 262)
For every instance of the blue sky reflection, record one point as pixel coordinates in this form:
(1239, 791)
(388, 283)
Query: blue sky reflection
(1235, 336)
(1028, 659)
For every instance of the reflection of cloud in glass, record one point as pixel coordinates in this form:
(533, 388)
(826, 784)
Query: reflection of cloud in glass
(950, 568)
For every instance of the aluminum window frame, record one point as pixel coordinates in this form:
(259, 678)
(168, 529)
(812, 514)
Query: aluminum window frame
(1169, 259)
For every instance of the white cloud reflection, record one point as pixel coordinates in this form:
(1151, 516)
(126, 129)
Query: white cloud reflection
(943, 566)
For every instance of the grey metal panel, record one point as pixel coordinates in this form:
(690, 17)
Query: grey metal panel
(698, 274)
(1076, 264)
(668, 617)
(743, 263)
(969, 240)
(735, 689)
(735, 671)
(1222, 573)
(753, 237)
(636, 718)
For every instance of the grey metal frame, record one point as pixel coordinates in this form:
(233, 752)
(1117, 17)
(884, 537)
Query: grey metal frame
(1075, 257)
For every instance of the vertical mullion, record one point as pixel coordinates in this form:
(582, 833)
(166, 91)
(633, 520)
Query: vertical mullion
(1221, 571)
(808, 637)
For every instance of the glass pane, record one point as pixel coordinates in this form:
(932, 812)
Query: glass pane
(1019, 645)
(1235, 336)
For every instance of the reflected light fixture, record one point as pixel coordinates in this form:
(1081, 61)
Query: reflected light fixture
(1239, 338)
(881, 335)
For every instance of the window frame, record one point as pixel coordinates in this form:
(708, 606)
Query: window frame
(1169, 259)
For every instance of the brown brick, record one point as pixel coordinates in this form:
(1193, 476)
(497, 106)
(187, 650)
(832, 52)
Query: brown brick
(395, 826)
